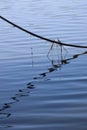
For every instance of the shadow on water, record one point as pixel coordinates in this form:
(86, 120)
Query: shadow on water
(25, 92)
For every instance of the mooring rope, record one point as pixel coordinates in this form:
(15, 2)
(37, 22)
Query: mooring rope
(41, 37)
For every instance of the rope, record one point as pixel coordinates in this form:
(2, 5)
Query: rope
(41, 37)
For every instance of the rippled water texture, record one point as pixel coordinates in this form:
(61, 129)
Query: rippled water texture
(40, 92)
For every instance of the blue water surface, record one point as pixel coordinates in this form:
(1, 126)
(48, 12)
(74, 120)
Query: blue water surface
(37, 91)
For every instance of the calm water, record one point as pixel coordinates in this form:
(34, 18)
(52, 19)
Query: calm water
(39, 92)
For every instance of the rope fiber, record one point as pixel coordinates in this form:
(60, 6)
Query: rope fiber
(41, 37)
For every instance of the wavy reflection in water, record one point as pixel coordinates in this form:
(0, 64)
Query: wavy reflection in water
(61, 62)
(15, 98)
(25, 92)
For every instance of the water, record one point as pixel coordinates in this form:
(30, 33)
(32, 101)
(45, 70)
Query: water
(39, 92)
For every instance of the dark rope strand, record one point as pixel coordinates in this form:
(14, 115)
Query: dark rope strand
(38, 36)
